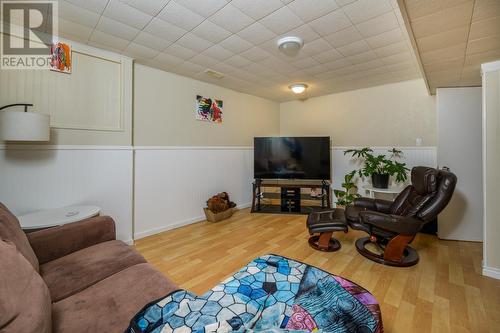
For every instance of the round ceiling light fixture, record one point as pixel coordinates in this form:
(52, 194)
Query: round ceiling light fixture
(290, 45)
(298, 88)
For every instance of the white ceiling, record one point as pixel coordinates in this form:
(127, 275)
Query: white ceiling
(453, 38)
(349, 44)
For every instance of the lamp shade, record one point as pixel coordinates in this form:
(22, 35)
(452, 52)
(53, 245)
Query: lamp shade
(24, 126)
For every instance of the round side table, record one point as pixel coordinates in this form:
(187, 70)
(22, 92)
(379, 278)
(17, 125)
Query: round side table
(55, 217)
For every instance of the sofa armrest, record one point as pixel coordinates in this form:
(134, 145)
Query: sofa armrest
(378, 205)
(394, 223)
(53, 243)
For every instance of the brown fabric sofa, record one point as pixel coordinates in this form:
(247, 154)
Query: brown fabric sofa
(73, 278)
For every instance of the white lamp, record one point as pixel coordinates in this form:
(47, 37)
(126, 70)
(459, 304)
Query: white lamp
(23, 126)
(298, 88)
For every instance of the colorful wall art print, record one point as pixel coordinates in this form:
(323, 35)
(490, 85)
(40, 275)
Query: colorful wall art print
(209, 109)
(60, 60)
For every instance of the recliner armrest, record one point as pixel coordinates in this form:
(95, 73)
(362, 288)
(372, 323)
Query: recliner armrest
(393, 223)
(50, 244)
(377, 205)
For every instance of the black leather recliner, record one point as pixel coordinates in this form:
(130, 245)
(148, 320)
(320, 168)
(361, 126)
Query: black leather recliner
(393, 225)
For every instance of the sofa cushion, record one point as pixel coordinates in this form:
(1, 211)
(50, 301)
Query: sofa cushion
(76, 271)
(24, 298)
(10, 230)
(109, 305)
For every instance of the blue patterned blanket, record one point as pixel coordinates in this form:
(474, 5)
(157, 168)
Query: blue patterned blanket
(270, 294)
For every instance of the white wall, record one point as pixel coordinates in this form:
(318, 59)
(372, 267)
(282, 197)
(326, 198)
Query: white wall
(37, 178)
(172, 184)
(459, 148)
(388, 115)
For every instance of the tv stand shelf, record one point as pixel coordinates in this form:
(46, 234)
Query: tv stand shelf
(290, 196)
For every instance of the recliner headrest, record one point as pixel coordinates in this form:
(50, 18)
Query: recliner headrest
(424, 179)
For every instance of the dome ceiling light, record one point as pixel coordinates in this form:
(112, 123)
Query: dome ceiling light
(290, 46)
(298, 88)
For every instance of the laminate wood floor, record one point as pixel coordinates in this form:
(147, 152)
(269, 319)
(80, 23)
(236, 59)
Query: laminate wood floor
(444, 292)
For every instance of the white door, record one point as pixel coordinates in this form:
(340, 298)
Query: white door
(460, 149)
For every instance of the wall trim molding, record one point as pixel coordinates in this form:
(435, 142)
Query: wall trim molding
(179, 224)
(62, 147)
(491, 272)
(193, 148)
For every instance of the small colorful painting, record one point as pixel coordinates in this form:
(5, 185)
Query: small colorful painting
(60, 60)
(209, 109)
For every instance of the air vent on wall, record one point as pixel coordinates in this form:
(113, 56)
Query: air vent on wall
(212, 73)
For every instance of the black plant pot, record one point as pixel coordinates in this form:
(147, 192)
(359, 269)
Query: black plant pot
(380, 180)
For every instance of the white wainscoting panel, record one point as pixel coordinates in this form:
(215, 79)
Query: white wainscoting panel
(343, 164)
(35, 178)
(172, 184)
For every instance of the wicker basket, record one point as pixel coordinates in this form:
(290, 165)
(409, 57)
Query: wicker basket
(217, 217)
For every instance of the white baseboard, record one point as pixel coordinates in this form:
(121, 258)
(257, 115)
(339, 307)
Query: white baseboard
(179, 224)
(491, 272)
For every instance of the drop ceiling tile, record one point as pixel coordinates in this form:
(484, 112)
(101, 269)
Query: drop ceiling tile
(391, 49)
(168, 59)
(315, 47)
(256, 33)
(330, 23)
(327, 56)
(193, 42)
(204, 8)
(484, 9)
(484, 44)
(485, 28)
(235, 44)
(231, 18)
(113, 42)
(211, 32)
(378, 25)
(337, 64)
(218, 52)
(281, 21)
(96, 6)
(180, 16)
(305, 63)
(400, 66)
(190, 68)
(420, 8)
(308, 10)
(344, 2)
(116, 28)
(369, 65)
(150, 7)
(451, 18)
(104, 46)
(151, 41)
(70, 12)
(165, 30)
(203, 60)
(69, 28)
(443, 39)
(134, 50)
(362, 57)
(238, 61)
(257, 9)
(256, 68)
(304, 31)
(354, 48)
(223, 68)
(180, 51)
(315, 70)
(363, 10)
(255, 54)
(397, 58)
(126, 14)
(386, 38)
(344, 37)
(456, 64)
(286, 1)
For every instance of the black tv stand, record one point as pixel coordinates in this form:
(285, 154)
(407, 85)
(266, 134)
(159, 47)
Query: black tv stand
(291, 199)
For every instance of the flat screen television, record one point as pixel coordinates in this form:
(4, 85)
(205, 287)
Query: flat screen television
(292, 158)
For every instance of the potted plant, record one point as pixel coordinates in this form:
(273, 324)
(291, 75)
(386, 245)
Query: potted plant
(380, 167)
(348, 194)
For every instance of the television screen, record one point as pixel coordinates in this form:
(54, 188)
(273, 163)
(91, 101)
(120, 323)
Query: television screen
(292, 158)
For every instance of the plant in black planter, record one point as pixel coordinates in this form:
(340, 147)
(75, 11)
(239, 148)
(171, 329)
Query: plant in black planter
(380, 167)
(348, 194)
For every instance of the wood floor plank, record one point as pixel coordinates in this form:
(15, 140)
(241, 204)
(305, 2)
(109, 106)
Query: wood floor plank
(443, 293)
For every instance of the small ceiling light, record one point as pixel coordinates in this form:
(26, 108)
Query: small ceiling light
(298, 88)
(290, 45)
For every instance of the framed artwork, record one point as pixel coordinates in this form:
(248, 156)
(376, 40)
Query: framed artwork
(209, 109)
(60, 60)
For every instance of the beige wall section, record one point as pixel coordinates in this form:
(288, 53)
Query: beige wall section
(164, 112)
(90, 106)
(389, 115)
